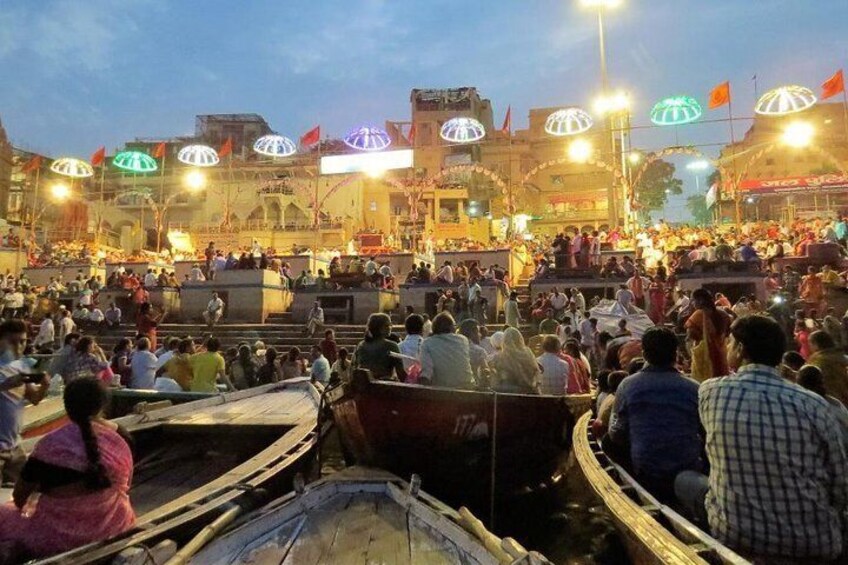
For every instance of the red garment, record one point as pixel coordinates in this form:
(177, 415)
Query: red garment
(329, 349)
(146, 326)
(657, 294)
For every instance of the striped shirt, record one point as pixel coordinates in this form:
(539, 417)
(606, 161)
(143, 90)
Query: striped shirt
(779, 474)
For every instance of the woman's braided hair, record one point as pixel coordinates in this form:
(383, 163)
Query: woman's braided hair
(84, 398)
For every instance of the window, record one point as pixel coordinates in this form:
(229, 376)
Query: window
(557, 180)
(770, 161)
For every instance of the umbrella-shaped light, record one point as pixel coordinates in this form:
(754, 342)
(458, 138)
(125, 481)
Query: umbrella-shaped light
(198, 155)
(70, 167)
(785, 100)
(367, 138)
(275, 146)
(568, 121)
(135, 162)
(462, 130)
(675, 111)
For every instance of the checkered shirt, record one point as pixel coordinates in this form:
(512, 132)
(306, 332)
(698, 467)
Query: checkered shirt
(779, 472)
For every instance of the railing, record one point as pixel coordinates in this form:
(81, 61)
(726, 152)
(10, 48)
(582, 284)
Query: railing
(252, 225)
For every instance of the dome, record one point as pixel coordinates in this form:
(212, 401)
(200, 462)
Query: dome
(198, 155)
(368, 138)
(462, 130)
(135, 161)
(676, 111)
(70, 167)
(785, 100)
(275, 146)
(568, 121)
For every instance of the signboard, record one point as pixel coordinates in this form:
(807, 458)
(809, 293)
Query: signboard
(451, 231)
(366, 162)
(821, 183)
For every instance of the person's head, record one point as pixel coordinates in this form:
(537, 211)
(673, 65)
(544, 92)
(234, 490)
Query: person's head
(379, 326)
(315, 352)
(550, 344)
(85, 398)
(635, 365)
(294, 354)
(513, 295)
(603, 380)
(497, 340)
(513, 340)
(173, 344)
(755, 339)
(622, 324)
(614, 379)
(549, 314)
(659, 347)
(245, 355)
(414, 324)
(141, 344)
(470, 329)
(443, 323)
(270, 355)
(342, 354)
(793, 360)
(821, 340)
(85, 345)
(214, 295)
(811, 378)
(186, 346)
(13, 337)
(703, 298)
(212, 344)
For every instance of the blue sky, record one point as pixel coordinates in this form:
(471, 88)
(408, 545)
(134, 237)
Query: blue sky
(78, 74)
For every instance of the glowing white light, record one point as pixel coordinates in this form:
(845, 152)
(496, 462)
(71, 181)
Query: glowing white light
(198, 155)
(568, 121)
(194, 180)
(601, 3)
(613, 103)
(367, 138)
(462, 130)
(580, 151)
(70, 167)
(798, 134)
(60, 191)
(701, 165)
(275, 146)
(635, 158)
(749, 200)
(785, 100)
(365, 162)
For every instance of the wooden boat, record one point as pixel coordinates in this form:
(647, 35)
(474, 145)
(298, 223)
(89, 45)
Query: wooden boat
(43, 417)
(124, 400)
(195, 459)
(653, 532)
(361, 516)
(449, 437)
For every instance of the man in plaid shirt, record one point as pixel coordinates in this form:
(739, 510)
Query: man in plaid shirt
(778, 484)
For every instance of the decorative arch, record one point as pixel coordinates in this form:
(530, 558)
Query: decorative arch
(676, 150)
(597, 163)
(831, 158)
(500, 182)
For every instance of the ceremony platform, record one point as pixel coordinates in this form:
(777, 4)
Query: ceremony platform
(40, 276)
(348, 306)
(162, 298)
(140, 267)
(504, 258)
(249, 296)
(424, 297)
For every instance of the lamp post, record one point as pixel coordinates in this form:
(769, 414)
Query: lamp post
(615, 107)
(601, 6)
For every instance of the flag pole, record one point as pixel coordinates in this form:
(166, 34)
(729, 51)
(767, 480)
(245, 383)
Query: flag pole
(845, 110)
(317, 211)
(102, 202)
(736, 195)
(161, 212)
(32, 221)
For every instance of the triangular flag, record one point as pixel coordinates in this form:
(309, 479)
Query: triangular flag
(98, 157)
(719, 96)
(833, 86)
(311, 137)
(31, 165)
(226, 148)
(411, 136)
(159, 150)
(507, 124)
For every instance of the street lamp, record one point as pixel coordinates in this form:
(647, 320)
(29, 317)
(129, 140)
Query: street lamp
(701, 165)
(194, 181)
(601, 6)
(798, 135)
(60, 191)
(612, 103)
(580, 151)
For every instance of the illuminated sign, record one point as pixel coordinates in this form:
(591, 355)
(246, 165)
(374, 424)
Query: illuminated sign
(366, 162)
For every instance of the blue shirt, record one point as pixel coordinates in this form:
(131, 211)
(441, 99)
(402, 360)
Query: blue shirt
(11, 413)
(748, 253)
(321, 370)
(656, 410)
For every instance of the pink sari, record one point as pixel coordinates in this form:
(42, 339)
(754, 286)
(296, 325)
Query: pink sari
(60, 524)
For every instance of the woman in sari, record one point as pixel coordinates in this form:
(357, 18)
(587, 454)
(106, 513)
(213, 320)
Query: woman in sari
(74, 489)
(710, 325)
(656, 294)
(515, 368)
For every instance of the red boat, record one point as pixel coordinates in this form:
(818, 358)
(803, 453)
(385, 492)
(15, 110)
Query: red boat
(449, 437)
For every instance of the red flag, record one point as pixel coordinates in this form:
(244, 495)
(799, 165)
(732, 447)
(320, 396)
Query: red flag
(719, 96)
(159, 150)
(98, 157)
(32, 164)
(311, 137)
(226, 148)
(833, 86)
(507, 125)
(411, 136)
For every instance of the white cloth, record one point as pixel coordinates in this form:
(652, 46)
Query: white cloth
(215, 305)
(411, 347)
(555, 372)
(96, 315)
(150, 279)
(46, 333)
(66, 326)
(143, 365)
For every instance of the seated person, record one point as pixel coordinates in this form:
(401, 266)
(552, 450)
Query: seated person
(445, 355)
(79, 477)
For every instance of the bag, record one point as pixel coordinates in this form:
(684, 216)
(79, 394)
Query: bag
(702, 364)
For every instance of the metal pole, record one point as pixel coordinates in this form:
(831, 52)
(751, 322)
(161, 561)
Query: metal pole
(604, 77)
(161, 206)
(102, 203)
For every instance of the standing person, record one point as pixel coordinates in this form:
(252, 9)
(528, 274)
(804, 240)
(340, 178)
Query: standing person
(374, 353)
(146, 323)
(143, 364)
(707, 328)
(13, 393)
(208, 368)
(209, 265)
(314, 319)
(656, 294)
(445, 357)
(777, 488)
(79, 476)
(66, 325)
(46, 334)
(214, 310)
(512, 314)
(329, 347)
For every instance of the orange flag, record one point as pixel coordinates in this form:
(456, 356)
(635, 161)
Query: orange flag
(507, 124)
(98, 157)
(32, 164)
(411, 136)
(311, 137)
(226, 148)
(833, 86)
(719, 96)
(159, 150)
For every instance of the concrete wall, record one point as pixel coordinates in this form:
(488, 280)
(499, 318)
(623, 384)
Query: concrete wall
(505, 258)
(141, 267)
(11, 260)
(354, 305)
(40, 276)
(249, 296)
(163, 299)
(416, 296)
(400, 263)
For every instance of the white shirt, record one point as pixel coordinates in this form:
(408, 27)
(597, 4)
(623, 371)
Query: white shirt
(96, 316)
(370, 268)
(587, 333)
(14, 300)
(66, 326)
(555, 371)
(445, 273)
(220, 263)
(579, 301)
(143, 365)
(150, 279)
(196, 275)
(411, 346)
(559, 301)
(316, 314)
(624, 297)
(46, 333)
(215, 305)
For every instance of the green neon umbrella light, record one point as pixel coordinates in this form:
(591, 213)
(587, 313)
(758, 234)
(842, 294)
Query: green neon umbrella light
(675, 111)
(135, 162)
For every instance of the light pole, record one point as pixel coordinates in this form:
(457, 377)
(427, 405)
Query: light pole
(601, 6)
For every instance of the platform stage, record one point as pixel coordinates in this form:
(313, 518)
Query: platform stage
(140, 267)
(40, 276)
(424, 297)
(505, 258)
(348, 306)
(249, 296)
(163, 299)
(400, 263)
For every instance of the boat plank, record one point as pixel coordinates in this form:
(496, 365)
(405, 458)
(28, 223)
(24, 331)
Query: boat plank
(272, 548)
(390, 536)
(318, 533)
(350, 546)
(423, 549)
